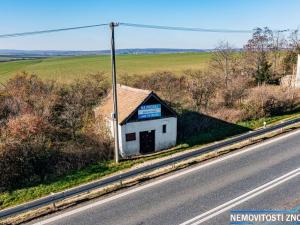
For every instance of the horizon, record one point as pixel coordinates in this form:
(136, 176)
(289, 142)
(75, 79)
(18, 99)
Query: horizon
(80, 50)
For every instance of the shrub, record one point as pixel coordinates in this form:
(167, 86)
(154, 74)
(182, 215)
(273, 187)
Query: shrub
(75, 100)
(48, 129)
(268, 101)
(8, 107)
(27, 152)
(31, 94)
(232, 115)
(235, 91)
(202, 88)
(25, 126)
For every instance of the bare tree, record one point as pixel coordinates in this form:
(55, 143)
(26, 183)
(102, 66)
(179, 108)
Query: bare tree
(223, 60)
(290, 59)
(295, 41)
(202, 87)
(278, 43)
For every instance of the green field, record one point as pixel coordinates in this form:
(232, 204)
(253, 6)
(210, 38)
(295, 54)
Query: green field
(65, 69)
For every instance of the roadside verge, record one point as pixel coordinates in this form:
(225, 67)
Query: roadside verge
(91, 190)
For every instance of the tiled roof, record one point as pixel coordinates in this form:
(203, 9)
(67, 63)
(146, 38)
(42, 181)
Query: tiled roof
(128, 100)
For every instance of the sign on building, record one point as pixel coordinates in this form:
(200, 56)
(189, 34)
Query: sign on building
(149, 111)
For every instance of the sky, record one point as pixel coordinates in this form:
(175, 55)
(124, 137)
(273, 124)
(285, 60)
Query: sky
(31, 15)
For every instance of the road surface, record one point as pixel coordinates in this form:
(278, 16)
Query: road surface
(264, 176)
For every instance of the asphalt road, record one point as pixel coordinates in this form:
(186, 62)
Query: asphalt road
(265, 176)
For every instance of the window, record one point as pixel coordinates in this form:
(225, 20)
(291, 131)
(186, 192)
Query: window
(130, 137)
(164, 130)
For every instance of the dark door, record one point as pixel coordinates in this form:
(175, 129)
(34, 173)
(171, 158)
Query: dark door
(147, 141)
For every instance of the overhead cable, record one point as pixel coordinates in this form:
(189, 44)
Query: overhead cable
(50, 31)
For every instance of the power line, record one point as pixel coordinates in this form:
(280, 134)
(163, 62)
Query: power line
(184, 28)
(146, 26)
(50, 31)
(196, 29)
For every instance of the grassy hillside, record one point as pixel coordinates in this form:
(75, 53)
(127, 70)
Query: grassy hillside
(67, 68)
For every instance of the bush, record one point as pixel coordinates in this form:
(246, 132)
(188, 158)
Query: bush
(232, 115)
(268, 101)
(48, 129)
(8, 107)
(235, 91)
(27, 152)
(94, 144)
(74, 101)
(201, 89)
(25, 126)
(31, 94)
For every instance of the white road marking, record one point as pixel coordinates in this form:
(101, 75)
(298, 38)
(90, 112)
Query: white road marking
(234, 202)
(179, 174)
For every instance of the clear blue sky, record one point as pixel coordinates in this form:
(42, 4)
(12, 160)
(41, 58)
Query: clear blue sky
(28, 15)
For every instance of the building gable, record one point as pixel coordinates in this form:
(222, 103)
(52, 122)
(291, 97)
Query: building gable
(151, 108)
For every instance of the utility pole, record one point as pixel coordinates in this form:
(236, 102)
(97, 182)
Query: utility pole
(114, 89)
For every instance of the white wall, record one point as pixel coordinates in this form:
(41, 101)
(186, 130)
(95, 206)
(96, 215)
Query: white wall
(162, 140)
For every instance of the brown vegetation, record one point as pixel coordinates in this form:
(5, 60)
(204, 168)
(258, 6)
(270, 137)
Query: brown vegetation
(48, 129)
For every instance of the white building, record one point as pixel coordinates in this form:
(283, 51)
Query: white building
(146, 123)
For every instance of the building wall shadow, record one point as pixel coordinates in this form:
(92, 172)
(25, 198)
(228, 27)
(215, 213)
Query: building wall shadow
(195, 128)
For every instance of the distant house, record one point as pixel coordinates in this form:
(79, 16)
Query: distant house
(146, 123)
